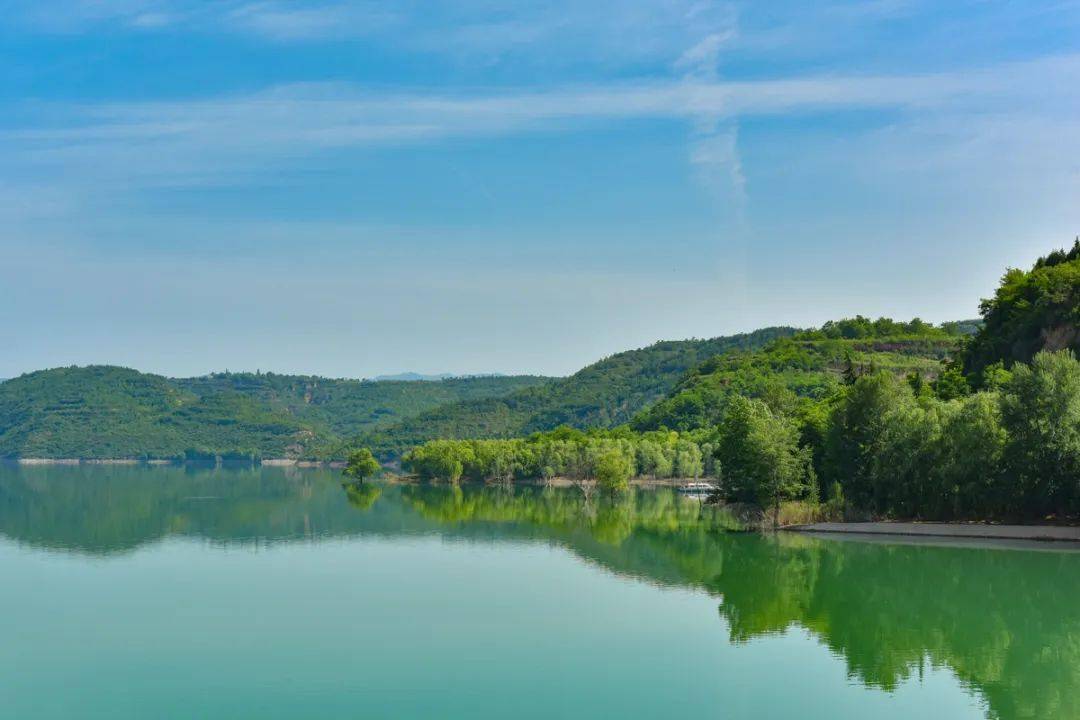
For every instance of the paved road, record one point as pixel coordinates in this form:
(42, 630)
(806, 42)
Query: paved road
(954, 530)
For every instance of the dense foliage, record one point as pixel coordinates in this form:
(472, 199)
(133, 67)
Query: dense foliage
(795, 373)
(760, 456)
(109, 412)
(1030, 311)
(112, 412)
(605, 394)
(342, 407)
(876, 447)
(1008, 453)
(609, 456)
(862, 328)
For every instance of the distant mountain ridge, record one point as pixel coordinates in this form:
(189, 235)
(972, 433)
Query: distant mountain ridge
(106, 412)
(99, 412)
(438, 377)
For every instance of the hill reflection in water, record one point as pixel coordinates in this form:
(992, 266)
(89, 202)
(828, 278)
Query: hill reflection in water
(1006, 622)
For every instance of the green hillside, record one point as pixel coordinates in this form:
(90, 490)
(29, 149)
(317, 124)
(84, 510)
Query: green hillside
(343, 407)
(1031, 311)
(811, 366)
(111, 412)
(607, 393)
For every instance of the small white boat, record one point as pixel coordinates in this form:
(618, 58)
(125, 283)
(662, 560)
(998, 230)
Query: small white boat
(697, 488)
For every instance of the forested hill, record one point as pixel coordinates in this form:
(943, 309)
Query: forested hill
(102, 412)
(113, 412)
(345, 407)
(1031, 311)
(810, 367)
(604, 394)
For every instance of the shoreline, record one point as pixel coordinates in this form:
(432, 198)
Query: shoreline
(269, 462)
(927, 532)
(559, 481)
(955, 531)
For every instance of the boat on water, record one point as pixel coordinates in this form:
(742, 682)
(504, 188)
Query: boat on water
(697, 488)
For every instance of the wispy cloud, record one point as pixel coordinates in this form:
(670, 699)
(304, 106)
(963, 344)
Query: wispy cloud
(605, 30)
(279, 20)
(910, 122)
(187, 141)
(714, 150)
(288, 22)
(873, 9)
(152, 20)
(605, 35)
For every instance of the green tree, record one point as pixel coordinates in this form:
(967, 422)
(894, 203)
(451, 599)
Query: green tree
(995, 376)
(652, 460)
(951, 384)
(1040, 409)
(612, 470)
(916, 382)
(856, 434)
(688, 460)
(969, 463)
(361, 465)
(1030, 311)
(440, 460)
(760, 455)
(851, 373)
(902, 462)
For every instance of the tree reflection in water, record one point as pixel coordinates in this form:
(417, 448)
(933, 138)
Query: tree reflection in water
(1006, 622)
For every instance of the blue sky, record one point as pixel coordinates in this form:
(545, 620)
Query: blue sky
(355, 188)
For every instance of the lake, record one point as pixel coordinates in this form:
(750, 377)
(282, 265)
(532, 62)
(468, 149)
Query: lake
(134, 592)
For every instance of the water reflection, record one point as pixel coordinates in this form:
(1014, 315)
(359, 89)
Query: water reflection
(1006, 622)
(362, 495)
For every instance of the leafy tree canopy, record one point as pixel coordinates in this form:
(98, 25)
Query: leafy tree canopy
(1032, 310)
(361, 464)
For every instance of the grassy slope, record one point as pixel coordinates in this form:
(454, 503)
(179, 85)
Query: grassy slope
(606, 393)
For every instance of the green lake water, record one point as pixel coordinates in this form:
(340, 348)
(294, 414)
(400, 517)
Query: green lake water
(274, 593)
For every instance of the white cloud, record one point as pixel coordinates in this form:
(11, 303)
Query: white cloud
(986, 152)
(873, 9)
(1014, 118)
(702, 60)
(289, 22)
(152, 20)
(714, 149)
(716, 158)
(606, 31)
(172, 140)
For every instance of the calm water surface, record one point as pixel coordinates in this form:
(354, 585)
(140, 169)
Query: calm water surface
(172, 593)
